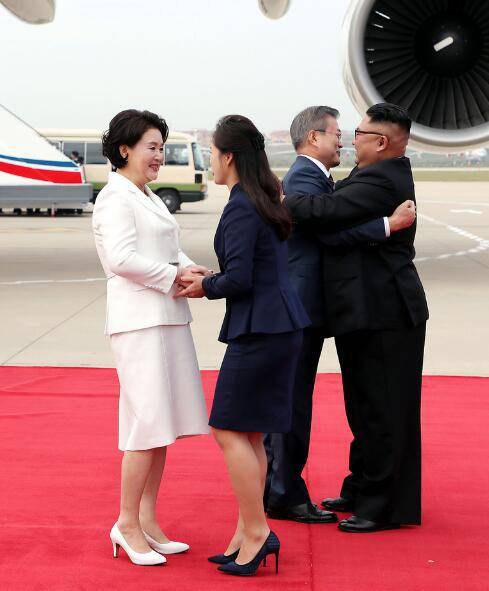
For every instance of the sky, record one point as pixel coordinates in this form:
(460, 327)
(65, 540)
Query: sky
(190, 61)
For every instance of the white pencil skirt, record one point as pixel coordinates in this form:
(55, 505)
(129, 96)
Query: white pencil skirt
(161, 397)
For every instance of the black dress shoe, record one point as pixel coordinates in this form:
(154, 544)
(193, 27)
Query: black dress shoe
(338, 504)
(359, 525)
(305, 513)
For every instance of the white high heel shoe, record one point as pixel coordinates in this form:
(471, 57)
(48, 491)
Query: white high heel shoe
(168, 548)
(142, 558)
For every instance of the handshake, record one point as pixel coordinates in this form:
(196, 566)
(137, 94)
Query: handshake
(188, 281)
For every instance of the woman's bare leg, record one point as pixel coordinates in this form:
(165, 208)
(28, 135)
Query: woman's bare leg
(256, 440)
(136, 466)
(237, 538)
(245, 471)
(147, 507)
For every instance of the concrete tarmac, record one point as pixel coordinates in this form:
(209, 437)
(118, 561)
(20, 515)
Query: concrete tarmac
(52, 291)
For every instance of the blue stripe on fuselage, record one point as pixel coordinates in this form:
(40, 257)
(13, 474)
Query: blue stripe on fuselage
(45, 162)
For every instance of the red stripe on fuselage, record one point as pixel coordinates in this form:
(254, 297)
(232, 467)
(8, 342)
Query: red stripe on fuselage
(50, 176)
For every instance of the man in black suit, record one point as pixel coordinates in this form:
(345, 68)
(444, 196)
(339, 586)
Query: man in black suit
(377, 310)
(317, 140)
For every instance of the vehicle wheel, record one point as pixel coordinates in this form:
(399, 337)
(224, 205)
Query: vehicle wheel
(79, 211)
(170, 198)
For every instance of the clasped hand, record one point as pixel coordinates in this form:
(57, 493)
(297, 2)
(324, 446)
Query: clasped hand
(188, 281)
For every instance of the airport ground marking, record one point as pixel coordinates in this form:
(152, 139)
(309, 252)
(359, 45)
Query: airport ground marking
(52, 329)
(40, 281)
(482, 243)
(474, 211)
(465, 203)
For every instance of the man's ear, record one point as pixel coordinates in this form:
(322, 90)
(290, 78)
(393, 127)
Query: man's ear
(382, 143)
(311, 137)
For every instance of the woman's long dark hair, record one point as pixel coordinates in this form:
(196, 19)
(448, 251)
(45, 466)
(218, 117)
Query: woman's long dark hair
(238, 135)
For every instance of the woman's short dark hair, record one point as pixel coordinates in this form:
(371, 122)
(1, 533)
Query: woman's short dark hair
(238, 135)
(126, 129)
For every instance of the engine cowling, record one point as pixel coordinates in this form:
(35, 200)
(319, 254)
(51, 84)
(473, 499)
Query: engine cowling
(274, 9)
(429, 56)
(36, 12)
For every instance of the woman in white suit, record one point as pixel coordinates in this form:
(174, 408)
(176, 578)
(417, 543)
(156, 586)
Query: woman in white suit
(161, 396)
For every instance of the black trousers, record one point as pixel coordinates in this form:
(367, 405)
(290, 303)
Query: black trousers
(381, 371)
(287, 452)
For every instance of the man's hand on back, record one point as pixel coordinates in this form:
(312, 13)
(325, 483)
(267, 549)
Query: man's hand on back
(403, 216)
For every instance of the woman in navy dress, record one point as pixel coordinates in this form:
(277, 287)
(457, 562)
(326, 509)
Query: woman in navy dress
(262, 328)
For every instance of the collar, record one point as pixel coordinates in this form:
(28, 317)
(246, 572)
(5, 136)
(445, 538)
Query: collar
(235, 188)
(122, 181)
(148, 199)
(319, 164)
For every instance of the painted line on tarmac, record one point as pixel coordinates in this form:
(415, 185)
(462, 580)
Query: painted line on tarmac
(471, 211)
(483, 244)
(52, 329)
(436, 202)
(37, 281)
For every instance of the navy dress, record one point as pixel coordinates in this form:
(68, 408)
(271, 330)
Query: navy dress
(262, 326)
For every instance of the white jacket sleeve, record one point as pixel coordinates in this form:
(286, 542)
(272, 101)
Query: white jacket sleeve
(184, 260)
(115, 220)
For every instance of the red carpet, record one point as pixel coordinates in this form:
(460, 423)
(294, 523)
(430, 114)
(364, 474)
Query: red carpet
(59, 496)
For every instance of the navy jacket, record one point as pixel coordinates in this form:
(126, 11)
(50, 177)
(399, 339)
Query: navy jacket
(306, 247)
(253, 274)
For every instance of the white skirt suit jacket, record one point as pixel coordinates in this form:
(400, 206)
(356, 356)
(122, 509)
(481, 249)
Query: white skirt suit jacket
(137, 240)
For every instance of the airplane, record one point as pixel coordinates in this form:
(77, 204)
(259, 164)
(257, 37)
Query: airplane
(434, 62)
(33, 173)
(431, 58)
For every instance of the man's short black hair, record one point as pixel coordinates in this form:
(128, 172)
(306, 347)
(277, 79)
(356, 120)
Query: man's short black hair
(126, 129)
(387, 112)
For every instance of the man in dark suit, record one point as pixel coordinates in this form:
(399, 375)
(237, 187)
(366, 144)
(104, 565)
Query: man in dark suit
(377, 310)
(317, 140)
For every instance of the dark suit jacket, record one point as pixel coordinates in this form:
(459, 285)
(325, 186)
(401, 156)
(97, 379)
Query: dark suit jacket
(374, 286)
(306, 249)
(253, 277)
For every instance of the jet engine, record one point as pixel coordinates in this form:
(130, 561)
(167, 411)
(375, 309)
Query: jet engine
(274, 9)
(36, 12)
(429, 56)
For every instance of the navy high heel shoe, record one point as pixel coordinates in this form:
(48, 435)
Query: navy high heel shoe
(227, 558)
(223, 558)
(271, 546)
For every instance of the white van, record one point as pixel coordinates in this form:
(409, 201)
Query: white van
(183, 178)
